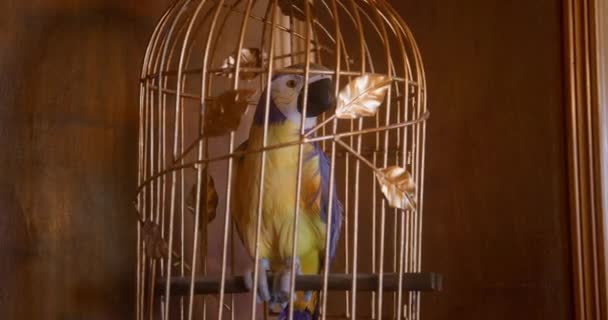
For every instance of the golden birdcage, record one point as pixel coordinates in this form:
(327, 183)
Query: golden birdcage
(203, 89)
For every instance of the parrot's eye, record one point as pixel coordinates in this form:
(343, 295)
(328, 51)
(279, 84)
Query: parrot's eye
(291, 83)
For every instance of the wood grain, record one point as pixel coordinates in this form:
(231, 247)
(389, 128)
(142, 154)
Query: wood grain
(496, 222)
(586, 139)
(496, 211)
(68, 134)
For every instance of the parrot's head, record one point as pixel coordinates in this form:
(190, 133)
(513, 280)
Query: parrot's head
(287, 97)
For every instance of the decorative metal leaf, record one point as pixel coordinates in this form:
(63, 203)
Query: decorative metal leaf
(398, 187)
(294, 8)
(224, 112)
(156, 246)
(208, 201)
(250, 58)
(362, 96)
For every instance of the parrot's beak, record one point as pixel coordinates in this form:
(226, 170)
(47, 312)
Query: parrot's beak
(320, 98)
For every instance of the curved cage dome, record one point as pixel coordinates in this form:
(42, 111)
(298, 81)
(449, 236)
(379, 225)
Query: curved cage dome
(204, 79)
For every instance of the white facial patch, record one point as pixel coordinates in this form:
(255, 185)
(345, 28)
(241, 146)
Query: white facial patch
(285, 91)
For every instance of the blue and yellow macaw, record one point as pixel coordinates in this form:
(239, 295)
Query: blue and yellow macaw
(279, 198)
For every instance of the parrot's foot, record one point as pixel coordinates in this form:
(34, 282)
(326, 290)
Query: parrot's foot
(282, 284)
(263, 293)
(282, 280)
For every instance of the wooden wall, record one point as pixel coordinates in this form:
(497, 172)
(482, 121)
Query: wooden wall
(496, 221)
(496, 205)
(68, 133)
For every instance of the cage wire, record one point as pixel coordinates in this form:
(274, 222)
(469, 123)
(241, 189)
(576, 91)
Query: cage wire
(205, 70)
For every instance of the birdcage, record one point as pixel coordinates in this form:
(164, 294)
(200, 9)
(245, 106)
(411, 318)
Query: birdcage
(340, 133)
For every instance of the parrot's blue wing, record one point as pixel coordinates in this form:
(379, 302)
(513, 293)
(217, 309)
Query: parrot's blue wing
(336, 206)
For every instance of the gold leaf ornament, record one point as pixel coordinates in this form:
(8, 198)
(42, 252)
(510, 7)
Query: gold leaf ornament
(208, 200)
(156, 246)
(224, 112)
(363, 96)
(250, 58)
(398, 187)
(294, 8)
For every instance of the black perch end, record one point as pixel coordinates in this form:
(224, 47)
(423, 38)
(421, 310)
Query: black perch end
(423, 282)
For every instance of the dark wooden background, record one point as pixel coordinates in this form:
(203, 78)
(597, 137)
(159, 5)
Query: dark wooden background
(496, 222)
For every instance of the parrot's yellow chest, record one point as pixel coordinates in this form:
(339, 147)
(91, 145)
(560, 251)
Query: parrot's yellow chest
(279, 197)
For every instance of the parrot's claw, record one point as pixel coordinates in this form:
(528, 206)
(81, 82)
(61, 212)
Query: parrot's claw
(282, 281)
(280, 294)
(263, 293)
(277, 307)
(307, 296)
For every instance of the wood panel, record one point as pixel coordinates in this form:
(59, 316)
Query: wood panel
(496, 212)
(584, 28)
(68, 131)
(496, 220)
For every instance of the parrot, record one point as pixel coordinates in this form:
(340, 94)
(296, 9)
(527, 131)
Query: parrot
(279, 192)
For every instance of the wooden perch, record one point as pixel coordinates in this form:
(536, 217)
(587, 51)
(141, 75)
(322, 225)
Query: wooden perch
(180, 286)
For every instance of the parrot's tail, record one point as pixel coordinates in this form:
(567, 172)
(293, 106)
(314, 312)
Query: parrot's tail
(297, 315)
